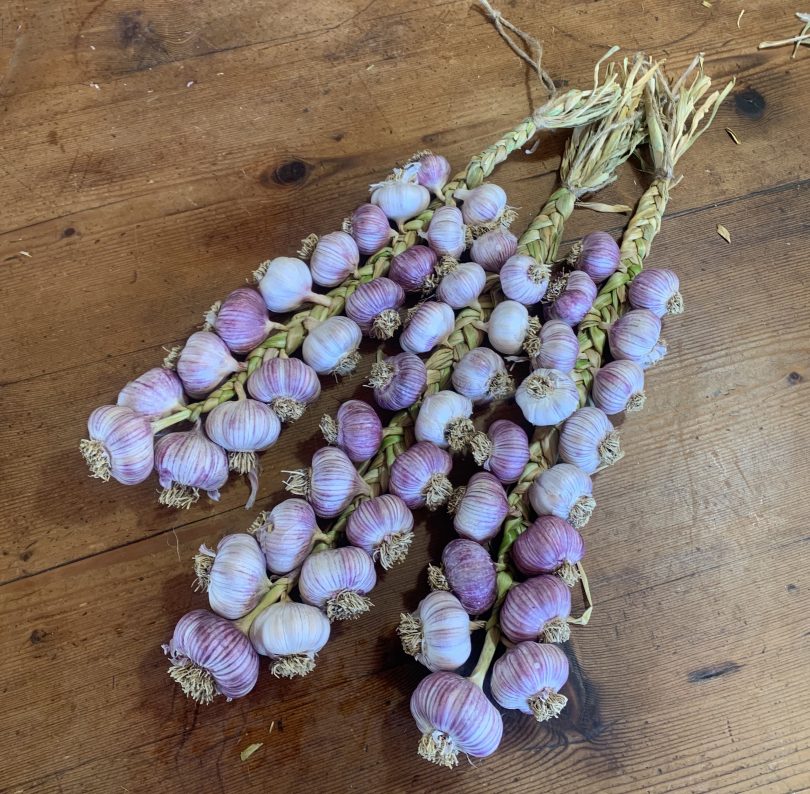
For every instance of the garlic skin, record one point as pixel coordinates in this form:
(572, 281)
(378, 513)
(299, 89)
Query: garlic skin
(529, 678)
(454, 716)
(469, 573)
(437, 634)
(419, 476)
(186, 463)
(635, 336)
(205, 362)
(482, 205)
(330, 484)
(503, 450)
(210, 656)
(338, 581)
(119, 445)
(575, 300)
(508, 327)
(619, 386)
(241, 321)
(444, 420)
(558, 348)
(479, 508)
(375, 305)
(291, 634)
(334, 259)
(537, 609)
(461, 284)
(564, 491)
(369, 228)
(598, 256)
(287, 385)
(400, 199)
(398, 381)
(431, 323)
(656, 289)
(413, 269)
(482, 376)
(447, 233)
(549, 545)
(286, 534)
(234, 576)
(383, 528)
(547, 397)
(434, 173)
(330, 347)
(243, 428)
(588, 440)
(524, 279)
(286, 285)
(357, 430)
(155, 394)
(492, 249)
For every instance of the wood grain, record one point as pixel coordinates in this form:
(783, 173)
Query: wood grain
(222, 133)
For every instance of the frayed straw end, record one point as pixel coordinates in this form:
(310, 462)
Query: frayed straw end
(96, 458)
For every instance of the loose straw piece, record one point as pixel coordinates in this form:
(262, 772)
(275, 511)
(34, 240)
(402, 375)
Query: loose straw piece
(796, 41)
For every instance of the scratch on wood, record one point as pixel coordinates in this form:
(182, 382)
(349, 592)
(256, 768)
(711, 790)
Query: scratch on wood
(715, 671)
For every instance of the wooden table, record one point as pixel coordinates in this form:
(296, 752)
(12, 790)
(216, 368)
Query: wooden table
(153, 153)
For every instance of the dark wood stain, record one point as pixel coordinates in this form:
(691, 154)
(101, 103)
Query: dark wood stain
(37, 636)
(715, 671)
(750, 103)
(793, 378)
(290, 173)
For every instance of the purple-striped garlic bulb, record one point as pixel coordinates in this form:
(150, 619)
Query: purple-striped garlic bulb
(547, 397)
(357, 430)
(155, 394)
(210, 656)
(419, 476)
(461, 283)
(286, 285)
(429, 324)
(334, 258)
(204, 362)
(537, 609)
(447, 234)
(558, 347)
(383, 528)
(290, 634)
(433, 173)
(597, 254)
(479, 508)
(287, 385)
(502, 450)
(619, 386)
(574, 294)
(329, 484)
(468, 572)
(369, 227)
(437, 634)
(330, 347)
(187, 463)
(524, 279)
(550, 545)
(241, 320)
(444, 419)
(338, 581)
(636, 336)
(484, 206)
(481, 375)
(234, 576)
(492, 249)
(120, 445)
(510, 328)
(454, 716)
(588, 440)
(657, 290)
(414, 269)
(286, 534)
(375, 305)
(400, 198)
(398, 381)
(564, 491)
(529, 678)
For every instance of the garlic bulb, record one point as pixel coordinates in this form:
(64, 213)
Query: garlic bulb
(120, 445)
(635, 336)
(503, 450)
(383, 528)
(186, 463)
(549, 545)
(479, 508)
(429, 325)
(483, 205)
(338, 581)
(291, 634)
(413, 268)
(286, 284)
(210, 656)
(286, 534)
(589, 441)
(619, 386)
(524, 279)
(287, 385)
(398, 381)
(529, 678)
(558, 347)
(155, 394)
(374, 306)
(205, 362)
(369, 227)
(547, 396)
(447, 234)
(357, 430)
(334, 259)
(469, 573)
(241, 320)
(563, 491)
(508, 327)
(481, 375)
(492, 249)
(234, 576)
(656, 289)
(437, 634)
(597, 255)
(419, 476)
(454, 716)
(574, 298)
(330, 347)
(400, 199)
(433, 173)
(330, 484)
(537, 609)
(444, 419)
(461, 283)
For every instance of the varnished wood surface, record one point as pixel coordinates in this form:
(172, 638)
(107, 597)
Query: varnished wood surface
(220, 134)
